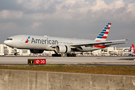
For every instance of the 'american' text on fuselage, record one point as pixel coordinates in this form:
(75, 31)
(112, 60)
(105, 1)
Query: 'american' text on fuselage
(42, 41)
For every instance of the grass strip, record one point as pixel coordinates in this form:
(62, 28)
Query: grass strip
(115, 70)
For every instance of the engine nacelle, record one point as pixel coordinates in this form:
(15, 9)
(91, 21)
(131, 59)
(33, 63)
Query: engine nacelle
(36, 51)
(63, 49)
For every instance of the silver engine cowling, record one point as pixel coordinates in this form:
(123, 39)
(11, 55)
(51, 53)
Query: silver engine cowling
(63, 49)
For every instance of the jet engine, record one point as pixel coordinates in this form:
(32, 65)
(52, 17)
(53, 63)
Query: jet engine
(36, 51)
(63, 49)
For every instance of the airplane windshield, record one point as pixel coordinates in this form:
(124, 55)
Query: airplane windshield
(9, 38)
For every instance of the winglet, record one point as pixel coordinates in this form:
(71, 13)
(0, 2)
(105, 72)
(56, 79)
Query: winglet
(104, 33)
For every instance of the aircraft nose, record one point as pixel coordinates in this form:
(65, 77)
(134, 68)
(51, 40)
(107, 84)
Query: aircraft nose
(6, 42)
(9, 42)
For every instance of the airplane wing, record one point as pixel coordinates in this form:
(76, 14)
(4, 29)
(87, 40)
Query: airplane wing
(106, 43)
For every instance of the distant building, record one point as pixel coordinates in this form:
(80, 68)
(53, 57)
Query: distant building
(10, 51)
(110, 51)
(6, 50)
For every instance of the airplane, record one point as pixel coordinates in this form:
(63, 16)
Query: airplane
(67, 46)
(133, 51)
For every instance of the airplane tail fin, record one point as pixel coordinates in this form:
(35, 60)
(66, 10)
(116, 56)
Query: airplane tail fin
(133, 48)
(104, 33)
(130, 49)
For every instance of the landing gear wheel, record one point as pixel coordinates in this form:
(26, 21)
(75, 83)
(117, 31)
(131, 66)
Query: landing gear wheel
(15, 54)
(131, 55)
(71, 55)
(56, 55)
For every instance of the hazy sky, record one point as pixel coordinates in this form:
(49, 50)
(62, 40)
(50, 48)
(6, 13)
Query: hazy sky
(68, 18)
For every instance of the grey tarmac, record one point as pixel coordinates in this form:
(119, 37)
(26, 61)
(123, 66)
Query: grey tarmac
(125, 61)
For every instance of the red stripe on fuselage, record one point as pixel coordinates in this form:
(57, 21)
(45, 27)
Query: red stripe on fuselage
(99, 46)
(98, 40)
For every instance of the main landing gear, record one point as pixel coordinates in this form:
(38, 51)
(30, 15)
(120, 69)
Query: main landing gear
(59, 55)
(71, 55)
(56, 55)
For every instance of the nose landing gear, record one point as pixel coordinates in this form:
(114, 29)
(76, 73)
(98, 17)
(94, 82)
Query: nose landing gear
(15, 52)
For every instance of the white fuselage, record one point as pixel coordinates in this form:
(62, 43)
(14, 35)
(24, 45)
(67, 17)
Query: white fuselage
(44, 42)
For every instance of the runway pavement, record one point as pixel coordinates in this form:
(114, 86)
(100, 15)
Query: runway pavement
(125, 61)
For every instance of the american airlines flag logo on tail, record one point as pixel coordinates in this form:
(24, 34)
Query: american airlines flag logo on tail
(104, 33)
(130, 49)
(27, 39)
(133, 48)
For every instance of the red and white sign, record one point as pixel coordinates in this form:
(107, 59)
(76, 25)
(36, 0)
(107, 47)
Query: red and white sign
(40, 61)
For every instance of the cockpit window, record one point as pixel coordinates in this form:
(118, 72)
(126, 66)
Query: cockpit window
(9, 38)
